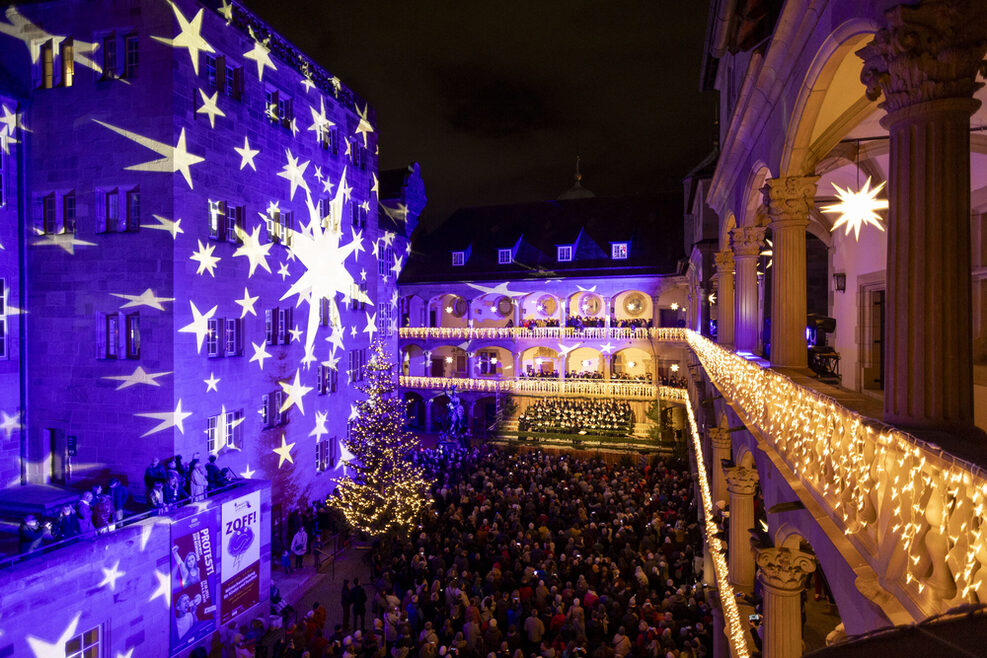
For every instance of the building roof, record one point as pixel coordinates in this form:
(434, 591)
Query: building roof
(651, 225)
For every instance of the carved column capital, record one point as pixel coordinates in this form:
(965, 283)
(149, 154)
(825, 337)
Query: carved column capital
(784, 569)
(724, 261)
(747, 241)
(931, 51)
(719, 438)
(741, 480)
(788, 200)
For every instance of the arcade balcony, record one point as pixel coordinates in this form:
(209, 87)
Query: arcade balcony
(621, 390)
(519, 333)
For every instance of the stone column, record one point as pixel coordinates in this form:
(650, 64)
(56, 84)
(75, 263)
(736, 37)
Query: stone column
(782, 573)
(925, 64)
(428, 415)
(517, 311)
(724, 298)
(517, 366)
(607, 305)
(741, 484)
(471, 365)
(788, 202)
(747, 242)
(719, 441)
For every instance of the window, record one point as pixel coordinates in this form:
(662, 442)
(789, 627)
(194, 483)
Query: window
(3, 149)
(359, 215)
(133, 336)
(66, 52)
(3, 319)
(324, 312)
(328, 380)
(358, 294)
(217, 219)
(564, 253)
(385, 260)
(131, 54)
(272, 414)
(277, 323)
(234, 220)
(504, 257)
(279, 226)
(109, 57)
(233, 75)
(458, 258)
(234, 337)
(212, 434)
(68, 213)
(270, 321)
(48, 214)
(47, 65)
(279, 108)
(234, 429)
(618, 251)
(210, 71)
(85, 645)
(334, 141)
(212, 337)
(284, 325)
(322, 456)
(110, 336)
(133, 210)
(265, 408)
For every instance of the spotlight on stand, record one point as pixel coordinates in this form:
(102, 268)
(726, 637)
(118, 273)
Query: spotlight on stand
(824, 360)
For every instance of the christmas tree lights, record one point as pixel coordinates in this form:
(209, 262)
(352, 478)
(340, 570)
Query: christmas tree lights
(387, 491)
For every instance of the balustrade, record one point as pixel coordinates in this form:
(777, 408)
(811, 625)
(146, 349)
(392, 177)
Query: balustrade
(514, 333)
(627, 390)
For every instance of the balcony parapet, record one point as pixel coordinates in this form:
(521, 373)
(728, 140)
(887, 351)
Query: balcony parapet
(517, 333)
(587, 388)
(912, 511)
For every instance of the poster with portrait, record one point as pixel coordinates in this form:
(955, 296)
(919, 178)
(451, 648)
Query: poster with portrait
(241, 555)
(193, 580)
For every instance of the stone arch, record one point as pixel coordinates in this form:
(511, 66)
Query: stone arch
(448, 310)
(728, 225)
(541, 305)
(752, 215)
(492, 310)
(414, 311)
(492, 360)
(585, 359)
(831, 101)
(586, 304)
(538, 359)
(413, 361)
(448, 361)
(414, 410)
(633, 362)
(633, 305)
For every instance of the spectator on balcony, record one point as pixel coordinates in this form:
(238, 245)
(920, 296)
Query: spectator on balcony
(155, 472)
(84, 511)
(119, 494)
(32, 534)
(173, 493)
(102, 509)
(198, 479)
(155, 497)
(67, 524)
(213, 473)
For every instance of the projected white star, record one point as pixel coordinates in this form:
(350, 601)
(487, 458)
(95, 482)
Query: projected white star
(66, 241)
(364, 127)
(56, 649)
(211, 383)
(199, 325)
(294, 394)
(164, 584)
(857, 208)
(246, 154)
(294, 173)
(252, 249)
(320, 425)
(319, 120)
(173, 158)
(248, 473)
(259, 354)
(247, 303)
(138, 376)
(168, 419)
(10, 423)
(210, 107)
(189, 36)
(111, 575)
(207, 262)
(284, 452)
(34, 37)
(260, 54)
(371, 327)
(146, 298)
(173, 227)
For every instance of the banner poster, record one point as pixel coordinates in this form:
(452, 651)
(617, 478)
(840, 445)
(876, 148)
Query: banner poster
(193, 580)
(241, 555)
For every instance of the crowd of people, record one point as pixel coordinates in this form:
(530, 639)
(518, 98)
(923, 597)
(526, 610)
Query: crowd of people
(537, 555)
(678, 381)
(166, 485)
(571, 416)
(531, 373)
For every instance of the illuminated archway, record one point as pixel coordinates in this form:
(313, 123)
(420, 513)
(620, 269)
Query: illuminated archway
(586, 304)
(413, 311)
(539, 360)
(541, 307)
(585, 362)
(448, 310)
(632, 363)
(632, 306)
(492, 310)
(413, 361)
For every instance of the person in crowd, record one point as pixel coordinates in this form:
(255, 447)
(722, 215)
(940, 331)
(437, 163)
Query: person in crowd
(32, 534)
(84, 511)
(358, 597)
(346, 601)
(286, 562)
(213, 473)
(67, 524)
(173, 493)
(299, 544)
(155, 472)
(198, 480)
(119, 494)
(102, 509)
(156, 497)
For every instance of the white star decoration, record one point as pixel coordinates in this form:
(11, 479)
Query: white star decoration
(259, 354)
(345, 456)
(33, 37)
(320, 425)
(294, 173)
(164, 584)
(173, 158)
(262, 55)
(319, 120)
(252, 249)
(210, 107)
(66, 241)
(857, 208)
(199, 325)
(246, 154)
(207, 262)
(247, 303)
(138, 376)
(284, 452)
(188, 36)
(283, 271)
(371, 327)
(54, 649)
(111, 575)
(398, 261)
(10, 423)
(606, 348)
(248, 473)
(354, 414)
(294, 394)
(168, 419)
(173, 227)
(364, 127)
(146, 298)
(211, 383)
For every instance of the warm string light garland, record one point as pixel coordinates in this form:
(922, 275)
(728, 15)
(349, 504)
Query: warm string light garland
(467, 333)
(388, 491)
(903, 502)
(553, 386)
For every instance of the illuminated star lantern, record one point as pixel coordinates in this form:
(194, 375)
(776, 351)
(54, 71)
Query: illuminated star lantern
(857, 208)
(138, 376)
(164, 584)
(294, 173)
(207, 262)
(146, 298)
(56, 649)
(168, 419)
(189, 36)
(294, 394)
(199, 325)
(712, 298)
(111, 575)
(210, 107)
(284, 452)
(246, 154)
(260, 54)
(253, 250)
(322, 259)
(320, 425)
(66, 241)
(173, 227)
(173, 158)
(247, 303)
(364, 127)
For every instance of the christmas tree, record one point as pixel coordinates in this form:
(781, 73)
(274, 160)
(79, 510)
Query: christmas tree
(387, 491)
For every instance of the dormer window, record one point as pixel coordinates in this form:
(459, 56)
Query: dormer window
(504, 257)
(618, 251)
(458, 258)
(564, 253)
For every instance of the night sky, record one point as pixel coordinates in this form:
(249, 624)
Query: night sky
(495, 100)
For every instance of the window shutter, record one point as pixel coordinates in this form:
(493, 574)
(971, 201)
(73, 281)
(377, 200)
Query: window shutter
(100, 336)
(122, 210)
(121, 335)
(221, 73)
(100, 211)
(222, 217)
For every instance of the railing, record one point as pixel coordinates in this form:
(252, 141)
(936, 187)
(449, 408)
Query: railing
(913, 511)
(514, 333)
(586, 387)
